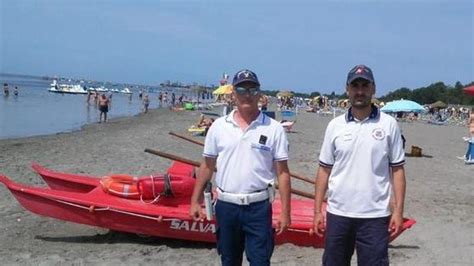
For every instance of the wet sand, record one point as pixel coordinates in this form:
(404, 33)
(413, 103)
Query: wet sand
(439, 194)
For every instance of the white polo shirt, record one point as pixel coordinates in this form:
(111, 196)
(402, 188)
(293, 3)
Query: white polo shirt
(360, 154)
(245, 159)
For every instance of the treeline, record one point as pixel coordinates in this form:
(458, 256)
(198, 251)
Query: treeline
(435, 92)
(425, 95)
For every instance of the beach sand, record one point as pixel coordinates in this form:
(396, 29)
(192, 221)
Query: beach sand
(439, 194)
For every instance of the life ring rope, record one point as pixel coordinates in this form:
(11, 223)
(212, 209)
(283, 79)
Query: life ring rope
(156, 198)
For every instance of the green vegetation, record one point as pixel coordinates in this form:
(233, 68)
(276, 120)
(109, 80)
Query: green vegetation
(425, 95)
(435, 92)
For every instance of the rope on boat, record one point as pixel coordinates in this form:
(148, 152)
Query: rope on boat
(154, 194)
(159, 218)
(92, 209)
(298, 230)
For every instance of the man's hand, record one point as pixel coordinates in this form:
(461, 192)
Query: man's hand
(283, 222)
(204, 175)
(195, 211)
(319, 224)
(396, 223)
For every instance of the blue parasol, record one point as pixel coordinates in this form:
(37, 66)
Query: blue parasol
(405, 106)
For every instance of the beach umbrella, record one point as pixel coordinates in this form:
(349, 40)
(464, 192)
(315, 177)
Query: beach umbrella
(405, 106)
(285, 94)
(315, 100)
(469, 90)
(224, 89)
(439, 104)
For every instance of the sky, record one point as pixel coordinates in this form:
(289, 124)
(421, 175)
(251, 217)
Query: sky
(298, 45)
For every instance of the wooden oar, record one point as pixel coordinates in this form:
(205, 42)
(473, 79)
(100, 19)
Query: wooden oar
(197, 164)
(300, 177)
(186, 138)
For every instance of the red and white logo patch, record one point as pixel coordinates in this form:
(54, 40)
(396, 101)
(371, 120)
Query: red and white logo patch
(378, 134)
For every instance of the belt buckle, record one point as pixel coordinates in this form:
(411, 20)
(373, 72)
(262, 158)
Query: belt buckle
(244, 200)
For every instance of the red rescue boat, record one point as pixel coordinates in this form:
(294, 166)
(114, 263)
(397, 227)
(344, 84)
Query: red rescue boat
(82, 199)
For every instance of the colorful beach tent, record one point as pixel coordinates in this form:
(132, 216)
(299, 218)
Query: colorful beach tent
(469, 90)
(405, 106)
(224, 89)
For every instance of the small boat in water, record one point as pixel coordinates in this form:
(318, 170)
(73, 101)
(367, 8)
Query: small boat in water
(125, 91)
(85, 200)
(98, 89)
(66, 88)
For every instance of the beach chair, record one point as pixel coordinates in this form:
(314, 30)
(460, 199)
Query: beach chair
(288, 115)
(288, 119)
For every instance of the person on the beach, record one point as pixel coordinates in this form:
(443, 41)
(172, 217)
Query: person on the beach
(204, 122)
(471, 124)
(470, 145)
(88, 99)
(229, 104)
(146, 103)
(103, 107)
(361, 160)
(264, 102)
(96, 98)
(15, 91)
(165, 98)
(160, 98)
(6, 91)
(244, 147)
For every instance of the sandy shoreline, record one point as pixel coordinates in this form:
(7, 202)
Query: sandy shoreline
(439, 194)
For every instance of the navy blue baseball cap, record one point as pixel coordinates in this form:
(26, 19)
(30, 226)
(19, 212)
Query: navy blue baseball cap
(245, 75)
(360, 71)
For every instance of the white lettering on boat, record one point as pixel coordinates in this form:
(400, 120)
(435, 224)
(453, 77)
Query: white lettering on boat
(193, 227)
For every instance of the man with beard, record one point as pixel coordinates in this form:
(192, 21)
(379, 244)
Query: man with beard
(249, 149)
(360, 162)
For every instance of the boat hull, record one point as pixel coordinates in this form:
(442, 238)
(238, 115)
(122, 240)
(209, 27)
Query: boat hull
(80, 199)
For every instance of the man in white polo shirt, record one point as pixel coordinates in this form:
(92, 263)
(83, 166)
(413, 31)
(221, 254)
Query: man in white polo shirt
(249, 149)
(361, 160)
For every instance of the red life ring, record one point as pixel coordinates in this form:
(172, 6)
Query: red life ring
(121, 185)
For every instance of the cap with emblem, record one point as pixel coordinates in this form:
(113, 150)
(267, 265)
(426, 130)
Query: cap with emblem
(360, 71)
(245, 75)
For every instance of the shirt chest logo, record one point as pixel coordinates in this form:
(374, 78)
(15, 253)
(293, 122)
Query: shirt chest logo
(378, 134)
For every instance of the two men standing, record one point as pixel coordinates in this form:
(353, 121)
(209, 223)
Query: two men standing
(360, 163)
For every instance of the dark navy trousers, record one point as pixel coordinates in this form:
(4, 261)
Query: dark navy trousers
(369, 236)
(244, 227)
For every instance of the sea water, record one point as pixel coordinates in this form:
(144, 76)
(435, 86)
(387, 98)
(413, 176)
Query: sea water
(35, 111)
